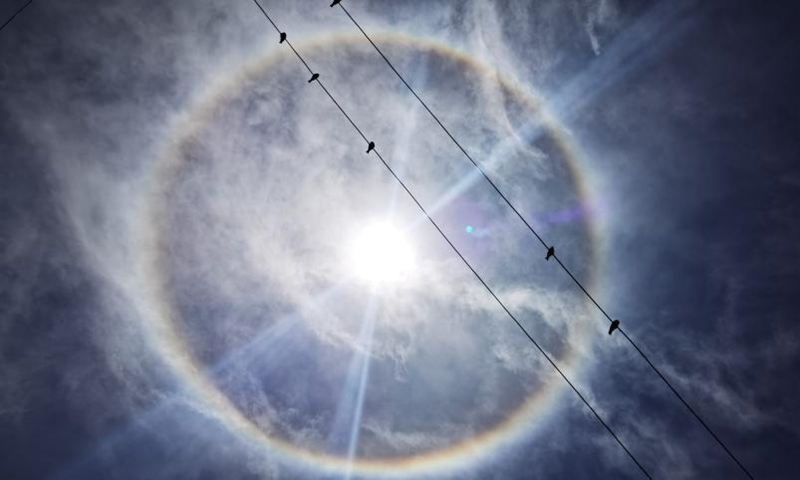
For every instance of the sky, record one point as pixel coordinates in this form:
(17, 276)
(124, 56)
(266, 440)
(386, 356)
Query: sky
(193, 287)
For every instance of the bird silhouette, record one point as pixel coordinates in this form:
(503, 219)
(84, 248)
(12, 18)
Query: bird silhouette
(335, 2)
(371, 147)
(314, 77)
(283, 37)
(550, 252)
(614, 326)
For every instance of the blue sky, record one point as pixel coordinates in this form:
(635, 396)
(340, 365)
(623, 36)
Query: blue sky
(181, 211)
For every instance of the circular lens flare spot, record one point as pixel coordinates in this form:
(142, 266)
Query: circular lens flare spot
(380, 254)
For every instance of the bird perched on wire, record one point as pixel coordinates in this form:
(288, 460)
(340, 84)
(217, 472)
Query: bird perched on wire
(614, 326)
(335, 2)
(370, 147)
(283, 37)
(314, 77)
(550, 252)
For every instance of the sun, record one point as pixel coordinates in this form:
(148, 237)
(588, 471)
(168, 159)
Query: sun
(380, 254)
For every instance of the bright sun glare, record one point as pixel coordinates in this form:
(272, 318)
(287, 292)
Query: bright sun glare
(380, 255)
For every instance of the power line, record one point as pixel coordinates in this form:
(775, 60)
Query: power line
(15, 14)
(545, 245)
(455, 249)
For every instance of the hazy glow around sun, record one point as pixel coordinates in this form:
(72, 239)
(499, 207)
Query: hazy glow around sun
(379, 254)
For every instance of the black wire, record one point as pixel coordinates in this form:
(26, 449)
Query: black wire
(15, 14)
(689, 407)
(517, 322)
(463, 259)
(533, 231)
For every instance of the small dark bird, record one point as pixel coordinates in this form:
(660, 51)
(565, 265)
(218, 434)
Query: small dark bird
(283, 37)
(371, 147)
(314, 77)
(614, 326)
(335, 2)
(550, 252)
